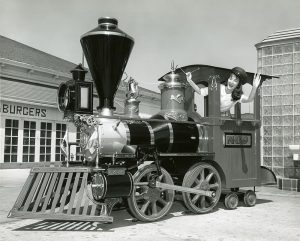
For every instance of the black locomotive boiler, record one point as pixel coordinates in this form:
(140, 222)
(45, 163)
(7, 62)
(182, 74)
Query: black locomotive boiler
(144, 162)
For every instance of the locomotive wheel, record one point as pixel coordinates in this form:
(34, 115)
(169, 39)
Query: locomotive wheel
(148, 203)
(231, 201)
(202, 177)
(250, 198)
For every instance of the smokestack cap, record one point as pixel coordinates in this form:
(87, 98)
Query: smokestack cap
(107, 20)
(107, 26)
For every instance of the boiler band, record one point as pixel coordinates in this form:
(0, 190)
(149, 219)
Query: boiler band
(167, 137)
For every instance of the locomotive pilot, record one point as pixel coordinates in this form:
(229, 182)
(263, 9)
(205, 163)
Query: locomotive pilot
(231, 92)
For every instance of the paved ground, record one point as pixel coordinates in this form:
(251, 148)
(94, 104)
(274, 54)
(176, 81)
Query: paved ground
(276, 216)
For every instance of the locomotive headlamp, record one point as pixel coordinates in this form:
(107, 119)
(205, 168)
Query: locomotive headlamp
(98, 186)
(84, 97)
(83, 91)
(62, 99)
(76, 95)
(66, 96)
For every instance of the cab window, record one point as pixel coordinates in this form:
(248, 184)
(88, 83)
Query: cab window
(242, 110)
(201, 103)
(247, 109)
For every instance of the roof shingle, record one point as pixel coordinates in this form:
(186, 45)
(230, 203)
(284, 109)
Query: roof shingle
(16, 51)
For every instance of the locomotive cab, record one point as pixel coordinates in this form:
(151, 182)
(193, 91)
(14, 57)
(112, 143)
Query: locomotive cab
(235, 134)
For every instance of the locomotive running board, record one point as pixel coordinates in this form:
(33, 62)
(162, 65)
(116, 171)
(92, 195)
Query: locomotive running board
(58, 193)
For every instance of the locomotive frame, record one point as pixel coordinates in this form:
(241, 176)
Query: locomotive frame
(143, 162)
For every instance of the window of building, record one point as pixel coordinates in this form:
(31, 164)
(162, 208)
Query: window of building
(29, 141)
(267, 51)
(11, 140)
(45, 142)
(79, 156)
(297, 46)
(60, 132)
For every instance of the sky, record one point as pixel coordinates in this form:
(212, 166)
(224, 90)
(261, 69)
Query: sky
(220, 33)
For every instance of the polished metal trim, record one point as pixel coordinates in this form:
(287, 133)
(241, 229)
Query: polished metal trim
(127, 132)
(131, 182)
(105, 185)
(151, 132)
(120, 155)
(106, 111)
(204, 153)
(89, 187)
(170, 85)
(106, 33)
(171, 131)
(178, 98)
(201, 136)
(200, 130)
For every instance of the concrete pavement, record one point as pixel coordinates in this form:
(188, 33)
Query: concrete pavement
(276, 216)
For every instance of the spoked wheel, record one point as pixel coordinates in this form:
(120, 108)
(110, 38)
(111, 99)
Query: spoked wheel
(250, 198)
(202, 177)
(148, 203)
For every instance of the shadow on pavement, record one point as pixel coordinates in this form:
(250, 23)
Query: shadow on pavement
(122, 218)
(262, 201)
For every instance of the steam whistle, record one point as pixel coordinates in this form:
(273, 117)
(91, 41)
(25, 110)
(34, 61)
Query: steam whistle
(131, 108)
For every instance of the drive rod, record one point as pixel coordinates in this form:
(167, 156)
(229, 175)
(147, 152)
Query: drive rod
(178, 188)
(185, 189)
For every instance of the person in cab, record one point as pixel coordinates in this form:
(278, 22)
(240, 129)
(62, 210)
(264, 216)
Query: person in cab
(231, 91)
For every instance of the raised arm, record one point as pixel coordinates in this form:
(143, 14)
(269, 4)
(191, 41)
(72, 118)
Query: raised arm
(194, 86)
(256, 82)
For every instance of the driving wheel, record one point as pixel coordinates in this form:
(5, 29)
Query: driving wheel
(202, 177)
(148, 203)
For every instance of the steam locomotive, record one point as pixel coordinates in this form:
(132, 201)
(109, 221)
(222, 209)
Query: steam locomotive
(145, 162)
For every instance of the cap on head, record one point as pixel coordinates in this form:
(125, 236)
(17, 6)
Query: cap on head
(240, 73)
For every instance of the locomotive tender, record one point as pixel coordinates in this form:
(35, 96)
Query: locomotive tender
(145, 161)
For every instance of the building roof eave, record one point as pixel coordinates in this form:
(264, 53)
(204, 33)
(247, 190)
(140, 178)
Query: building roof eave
(52, 72)
(279, 37)
(274, 42)
(29, 102)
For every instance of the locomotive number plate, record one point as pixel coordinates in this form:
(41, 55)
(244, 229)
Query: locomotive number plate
(237, 140)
